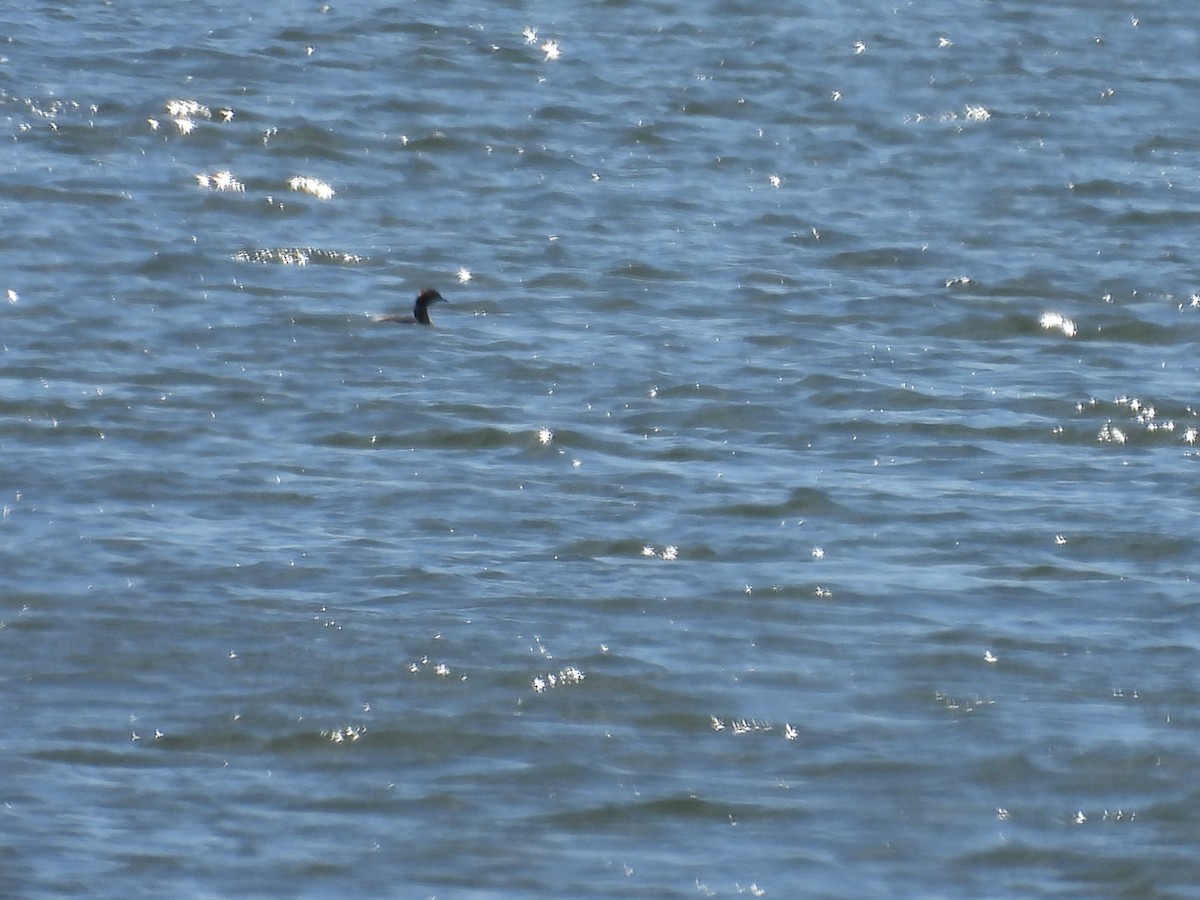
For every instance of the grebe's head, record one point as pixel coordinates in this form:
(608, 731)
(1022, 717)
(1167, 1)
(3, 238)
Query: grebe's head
(429, 295)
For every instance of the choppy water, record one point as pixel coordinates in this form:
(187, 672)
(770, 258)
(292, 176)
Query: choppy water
(797, 496)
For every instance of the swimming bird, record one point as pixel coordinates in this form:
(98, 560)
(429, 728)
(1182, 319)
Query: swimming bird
(420, 313)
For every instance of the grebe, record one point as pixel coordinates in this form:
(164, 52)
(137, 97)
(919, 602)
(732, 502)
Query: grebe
(420, 313)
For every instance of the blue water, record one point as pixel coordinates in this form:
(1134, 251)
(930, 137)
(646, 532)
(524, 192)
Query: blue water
(796, 496)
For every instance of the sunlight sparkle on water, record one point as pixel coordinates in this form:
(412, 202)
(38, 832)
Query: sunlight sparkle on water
(667, 553)
(314, 186)
(295, 256)
(748, 726)
(562, 678)
(220, 181)
(184, 109)
(1053, 320)
(349, 733)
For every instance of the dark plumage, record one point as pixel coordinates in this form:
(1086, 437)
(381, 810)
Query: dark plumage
(420, 313)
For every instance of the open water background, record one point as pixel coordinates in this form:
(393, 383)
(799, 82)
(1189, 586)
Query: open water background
(798, 499)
